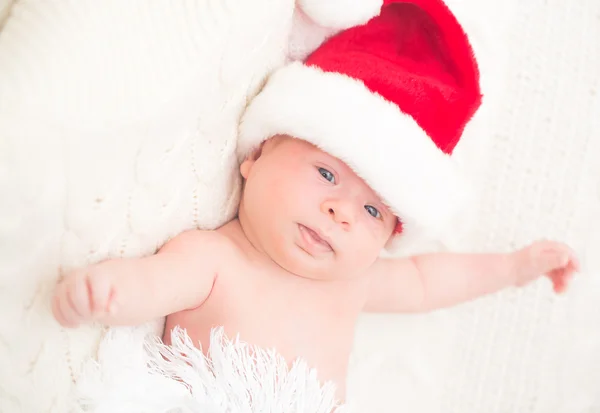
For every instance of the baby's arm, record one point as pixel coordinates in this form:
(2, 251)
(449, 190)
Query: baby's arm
(131, 291)
(432, 281)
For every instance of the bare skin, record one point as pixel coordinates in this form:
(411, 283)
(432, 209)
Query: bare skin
(297, 267)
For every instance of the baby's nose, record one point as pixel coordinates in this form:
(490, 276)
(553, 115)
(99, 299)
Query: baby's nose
(342, 212)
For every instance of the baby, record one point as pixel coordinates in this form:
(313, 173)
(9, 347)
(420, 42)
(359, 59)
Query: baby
(336, 169)
(296, 268)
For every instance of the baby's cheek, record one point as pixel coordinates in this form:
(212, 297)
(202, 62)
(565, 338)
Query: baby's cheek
(376, 234)
(363, 255)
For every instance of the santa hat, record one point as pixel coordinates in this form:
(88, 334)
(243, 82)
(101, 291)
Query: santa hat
(390, 98)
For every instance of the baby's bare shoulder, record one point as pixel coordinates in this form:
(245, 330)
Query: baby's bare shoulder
(199, 242)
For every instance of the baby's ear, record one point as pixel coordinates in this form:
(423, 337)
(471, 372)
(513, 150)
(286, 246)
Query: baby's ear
(249, 162)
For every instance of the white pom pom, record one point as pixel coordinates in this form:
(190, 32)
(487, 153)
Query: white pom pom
(340, 14)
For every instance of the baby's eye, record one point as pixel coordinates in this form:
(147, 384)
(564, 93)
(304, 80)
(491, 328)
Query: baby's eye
(327, 175)
(373, 211)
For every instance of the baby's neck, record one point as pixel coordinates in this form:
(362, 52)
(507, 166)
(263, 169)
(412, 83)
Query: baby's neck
(241, 226)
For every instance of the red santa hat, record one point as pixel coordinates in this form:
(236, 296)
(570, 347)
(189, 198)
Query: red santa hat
(391, 98)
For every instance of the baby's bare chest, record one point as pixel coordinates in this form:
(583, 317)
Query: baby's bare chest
(273, 313)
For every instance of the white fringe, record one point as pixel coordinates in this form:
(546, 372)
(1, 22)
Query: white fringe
(135, 373)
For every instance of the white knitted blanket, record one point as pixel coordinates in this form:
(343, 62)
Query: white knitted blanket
(109, 112)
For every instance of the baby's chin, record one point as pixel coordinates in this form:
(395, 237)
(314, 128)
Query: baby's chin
(321, 268)
(297, 262)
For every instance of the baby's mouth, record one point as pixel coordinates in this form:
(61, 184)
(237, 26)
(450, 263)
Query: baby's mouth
(314, 239)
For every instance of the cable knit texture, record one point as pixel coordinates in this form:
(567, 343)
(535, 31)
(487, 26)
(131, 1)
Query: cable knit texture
(5, 6)
(117, 130)
(119, 124)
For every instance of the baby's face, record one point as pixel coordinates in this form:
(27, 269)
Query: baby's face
(311, 213)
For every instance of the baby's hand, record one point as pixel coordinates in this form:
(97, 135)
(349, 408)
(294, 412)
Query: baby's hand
(83, 296)
(553, 259)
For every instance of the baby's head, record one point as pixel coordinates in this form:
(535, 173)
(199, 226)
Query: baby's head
(375, 114)
(310, 212)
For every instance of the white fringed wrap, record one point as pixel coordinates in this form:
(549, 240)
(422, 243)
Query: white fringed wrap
(136, 373)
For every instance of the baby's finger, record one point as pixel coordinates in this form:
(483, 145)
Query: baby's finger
(80, 300)
(56, 310)
(559, 287)
(552, 260)
(565, 258)
(570, 271)
(573, 260)
(561, 282)
(69, 317)
(575, 264)
(60, 295)
(100, 293)
(557, 272)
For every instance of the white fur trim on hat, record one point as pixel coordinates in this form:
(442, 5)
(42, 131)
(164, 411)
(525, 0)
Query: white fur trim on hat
(384, 146)
(340, 14)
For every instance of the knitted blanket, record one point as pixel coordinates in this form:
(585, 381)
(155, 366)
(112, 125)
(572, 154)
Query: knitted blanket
(5, 6)
(118, 125)
(108, 113)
